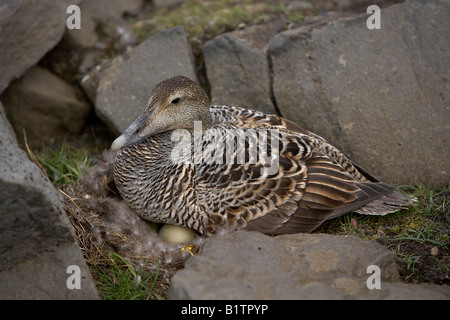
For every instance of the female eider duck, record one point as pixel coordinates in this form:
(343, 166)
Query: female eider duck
(278, 179)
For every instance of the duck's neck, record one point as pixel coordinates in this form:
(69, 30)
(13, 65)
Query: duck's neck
(205, 118)
(201, 123)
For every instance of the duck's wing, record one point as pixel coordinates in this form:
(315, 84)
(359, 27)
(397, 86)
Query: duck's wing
(243, 186)
(246, 118)
(295, 192)
(246, 186)
(329, 192)
(313, 182)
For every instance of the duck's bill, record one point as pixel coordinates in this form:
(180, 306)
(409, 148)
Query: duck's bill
(131, 135)
(118, 143)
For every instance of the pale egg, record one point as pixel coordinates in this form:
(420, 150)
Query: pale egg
(176, 234)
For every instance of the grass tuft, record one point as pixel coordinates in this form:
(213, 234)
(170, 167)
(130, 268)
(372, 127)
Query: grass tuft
(64, 166)
(118, 280)
(206, 19)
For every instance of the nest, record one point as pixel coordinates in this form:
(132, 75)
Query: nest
(104, 224)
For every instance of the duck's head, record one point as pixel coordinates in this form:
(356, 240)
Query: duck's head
(175, 104)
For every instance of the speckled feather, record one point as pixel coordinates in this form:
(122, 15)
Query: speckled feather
(314, 181)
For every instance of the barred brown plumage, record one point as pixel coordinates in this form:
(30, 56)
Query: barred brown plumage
(229, 167)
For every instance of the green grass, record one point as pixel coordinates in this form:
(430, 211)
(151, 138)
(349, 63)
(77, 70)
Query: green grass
(64, 166)
(206, 19)
(117, 279)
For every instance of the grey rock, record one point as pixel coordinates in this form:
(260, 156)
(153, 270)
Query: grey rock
(238, 69)
(9, 131)
(126, 83)
(28, 30)
(247, 265)
(40, 97)
(37, 242)
(381, 96)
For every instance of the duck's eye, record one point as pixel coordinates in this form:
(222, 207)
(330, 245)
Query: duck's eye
(175, 101)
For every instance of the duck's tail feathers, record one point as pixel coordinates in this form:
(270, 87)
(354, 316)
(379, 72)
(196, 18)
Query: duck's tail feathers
(389, 203)
(375, 198)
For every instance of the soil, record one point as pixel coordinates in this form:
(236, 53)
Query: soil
(423, 268)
